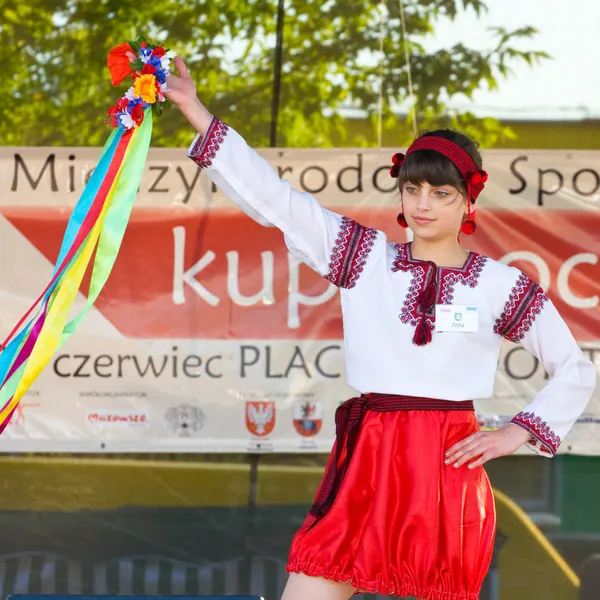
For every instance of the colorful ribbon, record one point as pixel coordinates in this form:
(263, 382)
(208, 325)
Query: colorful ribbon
(97, 223)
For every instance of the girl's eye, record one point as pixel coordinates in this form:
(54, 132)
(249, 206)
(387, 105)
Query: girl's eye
(411, 189)
(441, 193)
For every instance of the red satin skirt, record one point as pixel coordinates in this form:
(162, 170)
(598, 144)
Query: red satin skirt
(401, 522)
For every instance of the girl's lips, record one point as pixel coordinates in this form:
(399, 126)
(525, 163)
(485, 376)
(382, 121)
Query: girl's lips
(422, 220)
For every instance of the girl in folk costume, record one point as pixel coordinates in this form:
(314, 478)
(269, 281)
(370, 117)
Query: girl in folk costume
(405, 507)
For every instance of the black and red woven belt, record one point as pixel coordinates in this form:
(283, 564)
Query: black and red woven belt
(348, 419)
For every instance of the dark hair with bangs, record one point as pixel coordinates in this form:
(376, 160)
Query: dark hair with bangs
(435, 168)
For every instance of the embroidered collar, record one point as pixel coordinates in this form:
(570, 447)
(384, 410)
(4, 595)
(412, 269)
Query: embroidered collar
(435, 285)
(404, 261)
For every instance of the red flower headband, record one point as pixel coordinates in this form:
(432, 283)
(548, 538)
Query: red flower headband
(474, 177)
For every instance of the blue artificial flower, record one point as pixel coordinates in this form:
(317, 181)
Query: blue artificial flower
(161, 75)
(144, 54)
(134, 102)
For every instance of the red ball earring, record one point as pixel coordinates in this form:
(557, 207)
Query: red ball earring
(468, 227)
(477, 178)
(402, 220)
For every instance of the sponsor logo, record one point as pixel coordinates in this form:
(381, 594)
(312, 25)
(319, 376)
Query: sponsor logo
(104, 418)
(184, 420)
(308, 417)
(260, 417)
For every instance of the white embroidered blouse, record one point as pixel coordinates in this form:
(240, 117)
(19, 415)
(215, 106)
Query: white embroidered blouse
(380, 283)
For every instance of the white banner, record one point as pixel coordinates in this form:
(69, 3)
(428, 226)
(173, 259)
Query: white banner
(209, 337)
(341, 177)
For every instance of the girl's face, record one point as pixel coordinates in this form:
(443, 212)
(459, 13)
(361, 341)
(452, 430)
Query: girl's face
(433, 212)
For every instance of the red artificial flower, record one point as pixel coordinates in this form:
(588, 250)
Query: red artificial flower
(398, 158)
(159, 52)
(118, 63)
(119, 106)
(143, 44)
(137, 114)
(475, 178)
(149, 69)
(122, 104)
(112, 113)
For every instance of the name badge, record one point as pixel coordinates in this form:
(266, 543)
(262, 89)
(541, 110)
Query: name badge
(454, 317)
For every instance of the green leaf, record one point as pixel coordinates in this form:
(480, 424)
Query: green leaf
(137, 64)
(331, 61)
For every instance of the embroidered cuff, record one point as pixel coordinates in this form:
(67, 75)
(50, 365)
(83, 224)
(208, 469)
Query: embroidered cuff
(525, 302)
(543, 440)
(350, 252)
(204, 148)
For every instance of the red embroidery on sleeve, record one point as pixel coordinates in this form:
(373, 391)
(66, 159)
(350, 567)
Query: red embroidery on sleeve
(525, 302)
(206, 147)
(350, 252)
(540, 430)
